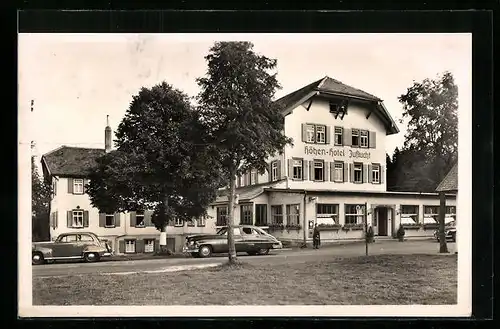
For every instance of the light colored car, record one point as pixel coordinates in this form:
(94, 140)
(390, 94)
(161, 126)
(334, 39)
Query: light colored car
(70, 246)
(247, 238)
(450, 232)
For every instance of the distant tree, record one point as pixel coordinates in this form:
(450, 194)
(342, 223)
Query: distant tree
(162, 161)
(431, 107)
(243, 121)
(41, 193)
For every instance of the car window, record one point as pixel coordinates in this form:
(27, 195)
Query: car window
(68, 238)
(85, 238)
(247, 230)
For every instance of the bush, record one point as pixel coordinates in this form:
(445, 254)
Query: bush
(401, 233)
(370, 235)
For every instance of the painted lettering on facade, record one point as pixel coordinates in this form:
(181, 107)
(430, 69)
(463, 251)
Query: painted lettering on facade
(356, 154)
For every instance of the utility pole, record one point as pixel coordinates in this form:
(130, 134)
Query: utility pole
(365, 211)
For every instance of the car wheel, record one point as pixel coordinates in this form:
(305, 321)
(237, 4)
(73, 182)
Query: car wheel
(91, 257)
(37, 258)
(205, 251)
(263, 251)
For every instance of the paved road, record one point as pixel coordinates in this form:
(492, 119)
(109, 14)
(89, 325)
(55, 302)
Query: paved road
(285, 256)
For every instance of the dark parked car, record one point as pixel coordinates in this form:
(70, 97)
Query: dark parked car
(247, 238)
(81, 245)
(450, 232)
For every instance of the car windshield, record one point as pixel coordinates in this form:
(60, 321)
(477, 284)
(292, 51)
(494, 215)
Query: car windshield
(222, 231)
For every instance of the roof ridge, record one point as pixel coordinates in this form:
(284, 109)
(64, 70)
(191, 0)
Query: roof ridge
(345, 84)
(72, 147)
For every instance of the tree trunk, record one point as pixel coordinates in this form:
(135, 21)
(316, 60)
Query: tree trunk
(443, 248)
(230, 219)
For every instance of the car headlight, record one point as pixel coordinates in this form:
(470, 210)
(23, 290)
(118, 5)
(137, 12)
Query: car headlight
(191, 243)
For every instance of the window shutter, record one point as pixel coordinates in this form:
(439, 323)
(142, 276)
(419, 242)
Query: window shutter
(85, 218)
(102, 219)
(279, 169)
(85, 183)
(132, 218)
(347, 137)
(311, 170)
(370, 169)
(157, 245)
(290, 168)
(139, 246)
(121, 246)
(365, 173)
(245, 179)
(304, 132)
(69, 216)
(257, 177)
(70, 185)
(56, 219)
(326, 171)
(351, 172)
(117, 219)
(371, 140)
(147, 218)
(332, 171)
(305, 170)
(237, 182)
(51, 220)
(327, 134)
(346, 172)
(270, 171)
(382, 174)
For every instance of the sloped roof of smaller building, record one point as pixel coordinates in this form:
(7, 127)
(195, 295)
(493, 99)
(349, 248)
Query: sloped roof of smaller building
(71, 161)
(450, 181)
(246, 192)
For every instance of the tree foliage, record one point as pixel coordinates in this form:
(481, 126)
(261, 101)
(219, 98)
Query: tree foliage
(162, 160)
(236, 102)
(41, 193)
(431, 141)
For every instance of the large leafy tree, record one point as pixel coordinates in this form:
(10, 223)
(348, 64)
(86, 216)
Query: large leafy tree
(243, 121)
(163, 160)
(41, 193)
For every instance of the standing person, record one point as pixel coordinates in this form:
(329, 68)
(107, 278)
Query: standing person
(316, 237)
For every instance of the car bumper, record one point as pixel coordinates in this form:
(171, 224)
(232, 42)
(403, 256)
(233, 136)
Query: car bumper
(278, 245)
(190, 249)
(106, 254)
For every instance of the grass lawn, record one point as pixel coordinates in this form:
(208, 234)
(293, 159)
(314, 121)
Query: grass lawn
(386, 279)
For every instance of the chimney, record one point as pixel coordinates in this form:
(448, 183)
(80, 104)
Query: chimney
(107, 136)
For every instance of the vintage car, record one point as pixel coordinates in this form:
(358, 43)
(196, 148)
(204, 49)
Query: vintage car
(450, 232)
(247, 238)
(78, 245)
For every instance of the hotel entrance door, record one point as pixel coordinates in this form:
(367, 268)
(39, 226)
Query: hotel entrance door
(382, 221)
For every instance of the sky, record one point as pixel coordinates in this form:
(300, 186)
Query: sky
(76, 80)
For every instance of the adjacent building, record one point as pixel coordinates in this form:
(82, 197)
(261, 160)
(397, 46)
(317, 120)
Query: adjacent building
(335, 166)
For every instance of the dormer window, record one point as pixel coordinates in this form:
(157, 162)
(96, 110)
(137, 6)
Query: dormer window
(338, 108)
(77, 186)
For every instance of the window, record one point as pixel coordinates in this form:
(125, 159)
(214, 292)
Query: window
(274, 170)
(319, 170)
(77, 218)
(201, 221)
(84, 237)
(409, 214)
(355, 137)
(321, 134)
(334, 107)
(338, 172)
(261, 214)
(130, 246)
(431, 214)
(297, 169)
(221, 216)
(178, 222)
(78, 186)
(363, 142)
(450, 214)
(139, 219)
(310, 134)
(68, 238)
(354, 214)
(376, 173)
(191, 222)
(110, 220)
(358, 173)
(292, 214)
(277, 215)
(338, 136)
(253, 177)
(149, 245)
(246, 216)
(329, 211)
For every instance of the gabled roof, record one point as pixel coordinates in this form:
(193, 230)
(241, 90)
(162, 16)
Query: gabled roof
(329, 86)
(450, 181)
(71, 161)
